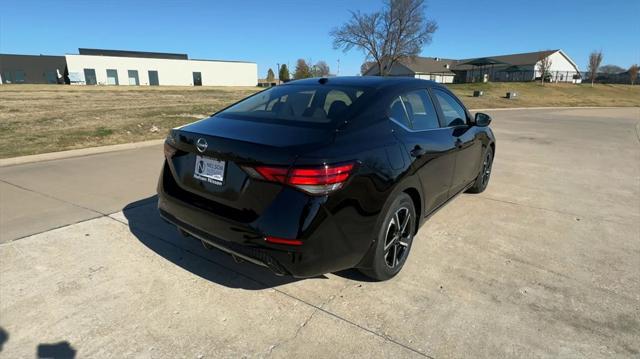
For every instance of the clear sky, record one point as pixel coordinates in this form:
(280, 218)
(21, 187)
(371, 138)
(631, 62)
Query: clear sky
(270, 32)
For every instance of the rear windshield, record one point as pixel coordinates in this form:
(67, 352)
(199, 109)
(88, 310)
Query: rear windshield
(310, 104)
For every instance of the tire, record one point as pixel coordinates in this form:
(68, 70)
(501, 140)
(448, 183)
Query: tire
(393, 242)
(482, 180)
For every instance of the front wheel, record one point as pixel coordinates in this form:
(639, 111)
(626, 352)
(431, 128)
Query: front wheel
(394, 240)
(482, 180)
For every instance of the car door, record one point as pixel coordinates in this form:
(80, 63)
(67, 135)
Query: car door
(430, 148)
(468, 145)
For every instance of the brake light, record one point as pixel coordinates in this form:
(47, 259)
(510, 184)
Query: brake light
(277, 240)
(314, 180)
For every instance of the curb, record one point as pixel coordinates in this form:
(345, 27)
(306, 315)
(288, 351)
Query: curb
(551, 108)
(129, 146)
(5, 162)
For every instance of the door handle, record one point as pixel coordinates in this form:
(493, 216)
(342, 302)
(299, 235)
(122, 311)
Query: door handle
(418, 151)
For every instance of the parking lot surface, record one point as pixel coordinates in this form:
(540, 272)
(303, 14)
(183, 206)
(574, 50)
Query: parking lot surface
(545, 263)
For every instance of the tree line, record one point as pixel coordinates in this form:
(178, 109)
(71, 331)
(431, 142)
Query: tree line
(594, 68)
(304, 69)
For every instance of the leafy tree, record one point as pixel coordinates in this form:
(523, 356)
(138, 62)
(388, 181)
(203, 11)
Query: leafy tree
(633, 73)
(595, 59)
(270, 75)
(303, 70)
(283, 74)
(399, 30)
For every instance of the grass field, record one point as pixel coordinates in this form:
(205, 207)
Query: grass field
(46, 118)
(536, 95)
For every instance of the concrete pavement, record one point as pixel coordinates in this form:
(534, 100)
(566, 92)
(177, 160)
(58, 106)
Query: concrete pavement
(543, 264)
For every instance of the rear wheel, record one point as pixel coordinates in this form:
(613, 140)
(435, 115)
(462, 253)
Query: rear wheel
(394, 240)
(485, 173)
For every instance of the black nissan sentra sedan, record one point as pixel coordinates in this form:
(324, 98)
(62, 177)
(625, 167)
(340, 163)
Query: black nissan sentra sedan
(320, 175)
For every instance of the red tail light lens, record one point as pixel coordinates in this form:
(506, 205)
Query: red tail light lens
(273, 174)
(313, 180)
(276, 240)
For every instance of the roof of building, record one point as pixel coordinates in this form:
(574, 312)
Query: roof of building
(126, 53)
(427, 65)
(430, 65)
(525, 58)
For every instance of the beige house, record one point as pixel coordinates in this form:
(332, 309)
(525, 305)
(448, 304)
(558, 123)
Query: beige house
(426, 68)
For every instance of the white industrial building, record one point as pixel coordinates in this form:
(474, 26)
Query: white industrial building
(115, 67)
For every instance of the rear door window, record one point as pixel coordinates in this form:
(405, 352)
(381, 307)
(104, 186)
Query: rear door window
(454, 113)
(415, 111)
(398, 113)
(420, 110)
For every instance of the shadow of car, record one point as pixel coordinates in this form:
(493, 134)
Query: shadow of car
(187, 252)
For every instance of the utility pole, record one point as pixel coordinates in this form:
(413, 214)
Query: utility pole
(278, 66)
(338, 70)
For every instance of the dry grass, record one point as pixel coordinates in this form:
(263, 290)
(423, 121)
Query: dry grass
(536, 95)
(46, 118)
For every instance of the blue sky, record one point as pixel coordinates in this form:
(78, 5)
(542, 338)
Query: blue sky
(270, 32)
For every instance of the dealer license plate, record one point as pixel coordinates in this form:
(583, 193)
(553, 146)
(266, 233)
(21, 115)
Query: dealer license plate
(209, 170)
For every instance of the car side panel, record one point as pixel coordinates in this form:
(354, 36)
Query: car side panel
(434, 167)
(468, 158)
(468, 147)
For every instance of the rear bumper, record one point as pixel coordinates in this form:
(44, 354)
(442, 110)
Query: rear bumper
(325, 248)
(254, 255)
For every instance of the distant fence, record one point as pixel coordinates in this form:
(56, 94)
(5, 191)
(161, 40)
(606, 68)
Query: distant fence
(606, 78)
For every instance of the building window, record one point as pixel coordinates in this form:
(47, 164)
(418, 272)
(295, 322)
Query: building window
(6, 77)
(197, 79)
(18, 76)
(133, 77)
(90, 77)
(51, 76)
(112, 77)
(153, 78)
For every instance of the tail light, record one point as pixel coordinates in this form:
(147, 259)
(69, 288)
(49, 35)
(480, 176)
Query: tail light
(314, 180)
(277, 240)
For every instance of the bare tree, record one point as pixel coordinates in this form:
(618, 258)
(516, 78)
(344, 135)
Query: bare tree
(321, 69)
(595, 59)
(399, 30)
(633, 73)
(543, 66)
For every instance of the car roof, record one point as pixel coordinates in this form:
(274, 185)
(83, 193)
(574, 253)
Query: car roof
(364, 81)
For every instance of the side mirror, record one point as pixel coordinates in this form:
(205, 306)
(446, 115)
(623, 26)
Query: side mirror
(482, 119)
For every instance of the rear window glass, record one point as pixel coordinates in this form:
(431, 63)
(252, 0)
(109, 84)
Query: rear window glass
(311, 104)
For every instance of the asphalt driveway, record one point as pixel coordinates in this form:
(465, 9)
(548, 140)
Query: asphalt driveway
(545, 263)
